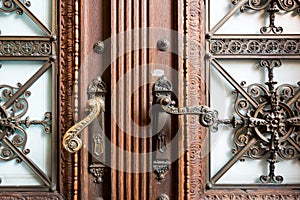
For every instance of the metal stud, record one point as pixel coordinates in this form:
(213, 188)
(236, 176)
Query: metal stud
(163, 196)
(163, 44)
(99, 47)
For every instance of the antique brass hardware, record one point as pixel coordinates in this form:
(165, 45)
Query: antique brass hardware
(72, 143)
(162, 93)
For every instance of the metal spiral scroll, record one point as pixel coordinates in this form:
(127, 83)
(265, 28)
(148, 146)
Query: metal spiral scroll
(72, 143)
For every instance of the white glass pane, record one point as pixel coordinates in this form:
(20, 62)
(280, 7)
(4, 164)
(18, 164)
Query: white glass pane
(14, 24)
(222, 100)
(38, 142)
(249, 22)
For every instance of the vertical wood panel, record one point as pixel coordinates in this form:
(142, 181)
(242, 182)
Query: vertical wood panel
(131, 101)
(94, 26)
(145, 144)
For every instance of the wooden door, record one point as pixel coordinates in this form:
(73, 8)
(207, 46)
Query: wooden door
(129, 61)
(137, 151)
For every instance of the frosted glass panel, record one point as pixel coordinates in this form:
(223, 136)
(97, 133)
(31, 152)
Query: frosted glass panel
(222, 99)
(249, 22)
(17, 25)
(38, 103)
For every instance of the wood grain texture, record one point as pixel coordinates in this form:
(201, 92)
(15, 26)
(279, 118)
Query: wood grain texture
(129, 102)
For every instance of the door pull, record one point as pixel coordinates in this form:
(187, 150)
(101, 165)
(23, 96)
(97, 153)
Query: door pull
(162, 92)
(72, 143)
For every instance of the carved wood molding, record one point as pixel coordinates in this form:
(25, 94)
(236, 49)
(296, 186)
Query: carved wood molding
(195, 95)
(66, 81)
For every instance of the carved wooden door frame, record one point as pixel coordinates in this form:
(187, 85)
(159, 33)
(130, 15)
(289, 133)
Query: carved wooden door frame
(193, 164)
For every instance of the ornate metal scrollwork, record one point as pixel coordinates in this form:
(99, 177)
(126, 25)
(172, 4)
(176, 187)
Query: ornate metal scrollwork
(25, 48)
(273, 7)
(255, 46)
(11, 124)
(269, 124)
(11, 6)
(13, 135)
(163, 93)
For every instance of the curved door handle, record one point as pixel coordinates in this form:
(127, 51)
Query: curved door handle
(72, 143)
(163, 90)
(96, 105)
(163, 96)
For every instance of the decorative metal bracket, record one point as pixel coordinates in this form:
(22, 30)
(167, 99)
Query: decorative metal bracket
(96, 105)
(98, 171)
(161, 167)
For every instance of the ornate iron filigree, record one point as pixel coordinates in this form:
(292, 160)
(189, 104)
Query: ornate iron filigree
(25, 48)
(255, 46)
(273, 7)
(268, 127)
(12, 126)
(9, 6)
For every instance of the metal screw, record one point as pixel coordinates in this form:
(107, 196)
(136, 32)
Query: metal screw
(99, 47)
(28, 3)
(163, 44)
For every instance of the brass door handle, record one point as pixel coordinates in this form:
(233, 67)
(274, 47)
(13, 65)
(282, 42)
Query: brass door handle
(162, 91)
(72, 143)
(96, 105)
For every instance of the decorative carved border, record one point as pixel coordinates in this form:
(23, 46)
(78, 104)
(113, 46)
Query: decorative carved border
(195, 96)
(66, 81)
